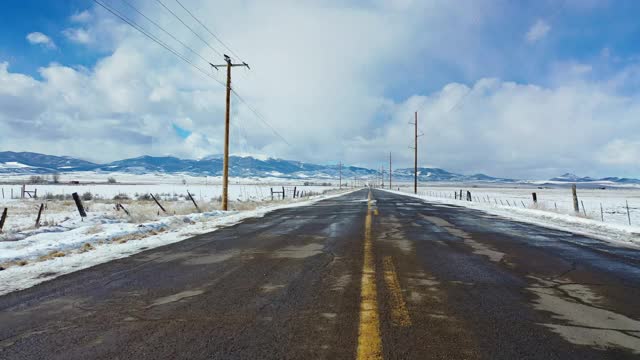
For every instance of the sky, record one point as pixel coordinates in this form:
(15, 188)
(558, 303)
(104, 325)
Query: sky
(521, 89)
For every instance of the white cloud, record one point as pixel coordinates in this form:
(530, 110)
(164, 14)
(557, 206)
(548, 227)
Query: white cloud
(78, 35)
(620, 152)
(38, 38)
(538, 30)
(324, 77)
(81, 17)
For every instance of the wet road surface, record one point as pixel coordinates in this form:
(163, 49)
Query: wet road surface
(368, 275)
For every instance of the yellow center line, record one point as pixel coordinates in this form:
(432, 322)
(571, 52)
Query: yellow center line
(369, 339)
(399, 312)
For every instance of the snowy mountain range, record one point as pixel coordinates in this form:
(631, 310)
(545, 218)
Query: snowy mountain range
(34, 163)
(572, 178)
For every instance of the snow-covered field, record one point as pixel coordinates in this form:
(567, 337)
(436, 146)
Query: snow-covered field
(167, 185)
(64, 242)
(554, 208)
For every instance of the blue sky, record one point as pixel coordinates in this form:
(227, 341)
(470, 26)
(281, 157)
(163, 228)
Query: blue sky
(339, 80)
(20, 18)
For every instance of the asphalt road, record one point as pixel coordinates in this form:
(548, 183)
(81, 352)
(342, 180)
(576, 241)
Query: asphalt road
(392, 277)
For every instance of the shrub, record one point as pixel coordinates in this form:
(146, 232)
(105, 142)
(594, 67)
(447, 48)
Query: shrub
(121, 197)
(111, 180)
(87, 196)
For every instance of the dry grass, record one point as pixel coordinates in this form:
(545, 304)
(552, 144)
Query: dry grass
(86, 247)
(9, 264)
(52, 255)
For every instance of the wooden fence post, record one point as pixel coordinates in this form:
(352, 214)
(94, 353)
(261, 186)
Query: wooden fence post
(576, 207)
(119, 206)
(39, 214)
(628, 213)
(76, 198)
(601, 213)
(294, 192)
(535, 198)
(469, 195)
(3, 219)
(271, 194)
(583, 209)
(283, 193)
(158, 203)
(193, 201)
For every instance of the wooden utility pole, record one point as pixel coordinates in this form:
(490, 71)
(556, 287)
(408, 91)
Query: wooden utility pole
(415, 153)
(382, 176)
(390, 170)
(225, 165)
(340, 169)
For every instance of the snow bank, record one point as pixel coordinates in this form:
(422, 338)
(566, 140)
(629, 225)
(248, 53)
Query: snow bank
(72, 245)
(621, 235)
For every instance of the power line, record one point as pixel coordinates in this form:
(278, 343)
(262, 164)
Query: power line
(457, 103)
(209, 31)
(155, 39)
(188, 27)
(181, 57)
(259, 116)
(165, 31)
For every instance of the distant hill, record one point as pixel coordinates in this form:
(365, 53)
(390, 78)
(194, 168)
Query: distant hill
(572, 178)
(34, 163)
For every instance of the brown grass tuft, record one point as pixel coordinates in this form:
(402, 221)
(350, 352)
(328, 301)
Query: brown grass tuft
(51, 255)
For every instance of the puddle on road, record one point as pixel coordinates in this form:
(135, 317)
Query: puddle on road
(176, 297)
(478, 248)
(299, 252)
(582, 322)
(341, 283)
(393, 234)
(582, 292)
(210, 258)
(444, 206)
(419, 285)
(271, 287)
(329, 315)
(193, 258)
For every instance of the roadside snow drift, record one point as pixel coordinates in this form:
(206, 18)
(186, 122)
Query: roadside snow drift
(33, 256)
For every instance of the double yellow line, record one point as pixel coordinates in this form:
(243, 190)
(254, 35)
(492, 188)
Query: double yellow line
(369, 339)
